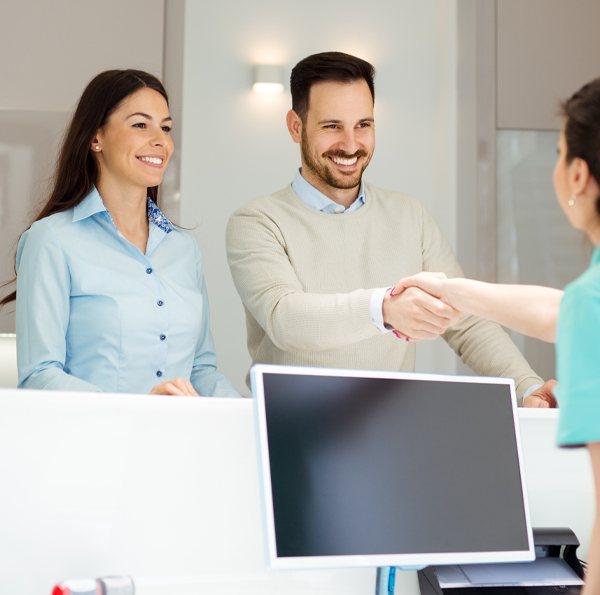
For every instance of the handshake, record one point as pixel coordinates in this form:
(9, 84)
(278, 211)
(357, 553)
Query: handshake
(425, 305)
(417, 308)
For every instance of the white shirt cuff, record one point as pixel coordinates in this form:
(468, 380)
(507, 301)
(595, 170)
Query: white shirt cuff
(532, 388)
(377, 308)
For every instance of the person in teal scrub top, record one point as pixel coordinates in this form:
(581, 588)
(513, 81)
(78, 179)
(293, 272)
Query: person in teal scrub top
(110, 294)
(571, 318)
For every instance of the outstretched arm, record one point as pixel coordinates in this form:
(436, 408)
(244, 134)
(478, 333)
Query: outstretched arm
(528, 309)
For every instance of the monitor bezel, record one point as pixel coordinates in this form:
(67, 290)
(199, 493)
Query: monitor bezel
(417, 560)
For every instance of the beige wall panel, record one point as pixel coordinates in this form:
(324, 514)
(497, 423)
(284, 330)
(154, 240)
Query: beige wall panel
(50, 50)
(546, 50)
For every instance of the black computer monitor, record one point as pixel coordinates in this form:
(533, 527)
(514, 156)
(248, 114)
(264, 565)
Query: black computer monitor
(364, 468)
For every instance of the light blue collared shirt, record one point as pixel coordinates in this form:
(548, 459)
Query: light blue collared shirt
(96, 314)
(317, 200)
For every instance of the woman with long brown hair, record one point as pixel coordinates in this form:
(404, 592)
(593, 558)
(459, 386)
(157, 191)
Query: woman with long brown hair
(110, 294)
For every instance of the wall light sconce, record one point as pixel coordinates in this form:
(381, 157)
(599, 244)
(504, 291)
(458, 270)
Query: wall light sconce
(268, 78)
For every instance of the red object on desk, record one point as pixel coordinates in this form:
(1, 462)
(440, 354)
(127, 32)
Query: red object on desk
(106, 585)
(79, 587)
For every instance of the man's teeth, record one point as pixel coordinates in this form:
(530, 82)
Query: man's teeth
(345, 161)
(154, 160)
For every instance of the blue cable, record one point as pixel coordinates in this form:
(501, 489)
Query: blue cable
(392, 580)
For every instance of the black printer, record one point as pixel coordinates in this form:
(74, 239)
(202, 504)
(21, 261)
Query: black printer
(556, 570)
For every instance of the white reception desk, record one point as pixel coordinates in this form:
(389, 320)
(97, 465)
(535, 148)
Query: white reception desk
(166, 490)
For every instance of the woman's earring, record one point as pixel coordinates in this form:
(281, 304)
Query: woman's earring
(571, 202)
(97, 147)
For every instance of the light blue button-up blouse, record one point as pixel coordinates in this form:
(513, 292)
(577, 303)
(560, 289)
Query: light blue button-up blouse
(96, 314)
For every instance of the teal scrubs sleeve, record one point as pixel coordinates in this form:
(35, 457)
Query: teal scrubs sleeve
(578, 359)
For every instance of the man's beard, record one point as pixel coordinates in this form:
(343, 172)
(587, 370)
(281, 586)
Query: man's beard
(321, 170)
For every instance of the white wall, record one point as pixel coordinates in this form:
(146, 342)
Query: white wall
(8, 361)
(235, 145)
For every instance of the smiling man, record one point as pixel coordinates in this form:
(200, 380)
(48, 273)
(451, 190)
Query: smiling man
(313, 262)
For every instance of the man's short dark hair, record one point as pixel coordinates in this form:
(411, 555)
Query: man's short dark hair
(327, 66)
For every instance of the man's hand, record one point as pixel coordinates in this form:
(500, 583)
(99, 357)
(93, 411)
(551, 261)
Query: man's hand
(178, 387)
(543, 397)
(432, 283)
(417, 315)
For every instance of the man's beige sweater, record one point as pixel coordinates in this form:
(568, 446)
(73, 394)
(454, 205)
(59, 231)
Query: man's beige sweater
(306, 278)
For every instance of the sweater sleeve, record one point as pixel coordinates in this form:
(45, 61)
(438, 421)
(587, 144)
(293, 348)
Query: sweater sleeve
(481, 344)
(294, 319)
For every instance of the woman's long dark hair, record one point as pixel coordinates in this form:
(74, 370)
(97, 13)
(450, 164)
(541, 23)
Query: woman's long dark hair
(76, 168)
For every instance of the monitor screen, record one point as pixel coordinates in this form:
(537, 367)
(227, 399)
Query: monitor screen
(381, 468)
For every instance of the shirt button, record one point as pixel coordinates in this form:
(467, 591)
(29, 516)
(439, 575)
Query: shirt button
(158, 373)
(163, 337)
(339, 209)
(160, 303)
(149, 270)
